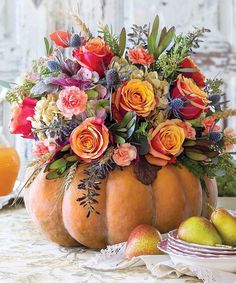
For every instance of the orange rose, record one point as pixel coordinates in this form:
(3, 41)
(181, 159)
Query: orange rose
(90, 139)
(140, 56)
(134, 95)
(166, 142)
(124, 154)
(94, 55)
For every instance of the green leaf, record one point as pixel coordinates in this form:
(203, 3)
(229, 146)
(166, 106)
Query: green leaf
(6, 84)
(119, 140)
(65, 148)
(165, 42)
(152, 38)
(47, 46)
(55, 175)
(71, 158)
(163, 34)
(126, 119)
(122, 41)
(187, 70)
(57, 164)
(92, 94)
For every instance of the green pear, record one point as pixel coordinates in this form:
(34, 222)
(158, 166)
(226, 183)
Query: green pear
(199, 230)
(225, 224)
(143, 240)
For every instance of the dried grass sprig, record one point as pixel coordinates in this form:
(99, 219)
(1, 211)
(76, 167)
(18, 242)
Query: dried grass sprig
(85, 31)
(224, 114)
(70, 176)
(42, 159)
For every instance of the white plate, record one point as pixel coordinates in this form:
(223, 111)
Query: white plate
(224, 263)
(173, 236)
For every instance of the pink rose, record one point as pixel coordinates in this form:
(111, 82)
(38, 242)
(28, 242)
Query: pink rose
(42, 147)
(20, 123)
(190, 132)
(72, 101)
(229, 137)
(210, 125)
(124, 154)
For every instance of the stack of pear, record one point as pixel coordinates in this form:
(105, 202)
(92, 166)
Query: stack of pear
(199, 230)
(225, 224)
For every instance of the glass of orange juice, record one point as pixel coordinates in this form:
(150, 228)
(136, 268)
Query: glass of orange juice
(9, 166)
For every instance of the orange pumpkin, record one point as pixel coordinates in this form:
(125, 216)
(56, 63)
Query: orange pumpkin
(123, 203)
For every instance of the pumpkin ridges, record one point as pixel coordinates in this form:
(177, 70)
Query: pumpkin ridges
(91, 231)
(193, 192)
(40, 199)
(170, 199)
(129, 203)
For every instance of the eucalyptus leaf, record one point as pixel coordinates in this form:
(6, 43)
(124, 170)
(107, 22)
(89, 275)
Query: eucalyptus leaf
(57, 164)
(119, 140)
(55, 175)
(65, 148)
(122, 41)
(6, 84)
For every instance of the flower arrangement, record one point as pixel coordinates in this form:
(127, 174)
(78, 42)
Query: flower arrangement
(137, 98)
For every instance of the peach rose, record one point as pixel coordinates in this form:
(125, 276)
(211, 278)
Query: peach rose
(72, 101)
(140, 56)
(229, 137)
(210, 125)
(124, 154)
(166, 142)
(90, 139)
(134, 95)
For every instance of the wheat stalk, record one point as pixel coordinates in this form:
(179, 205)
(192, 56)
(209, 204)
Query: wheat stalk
(70, 176)
(41, 159)
(224, 114)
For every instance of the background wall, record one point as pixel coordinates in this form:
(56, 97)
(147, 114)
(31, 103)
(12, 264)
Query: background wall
(24, 23)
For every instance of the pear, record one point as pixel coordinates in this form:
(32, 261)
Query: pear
(143, 240)
(225, 224)
(199, 230)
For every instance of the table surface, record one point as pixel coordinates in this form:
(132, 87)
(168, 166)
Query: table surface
(27, 257)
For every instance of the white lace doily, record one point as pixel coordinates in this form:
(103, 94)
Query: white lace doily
(113, 258)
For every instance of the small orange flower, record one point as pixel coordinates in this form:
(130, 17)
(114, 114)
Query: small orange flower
(140, 56)
(134, 95)
(90, 139)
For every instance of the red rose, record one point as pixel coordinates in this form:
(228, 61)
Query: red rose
(195, 99)
(19, 121)
(197, 76)
(94, 55)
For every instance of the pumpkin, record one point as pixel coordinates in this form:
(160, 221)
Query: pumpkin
(123, 203)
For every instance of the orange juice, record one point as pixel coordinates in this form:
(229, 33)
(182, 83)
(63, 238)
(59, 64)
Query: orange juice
(9, 167)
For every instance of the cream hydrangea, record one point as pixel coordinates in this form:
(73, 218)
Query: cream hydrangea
(45, 111)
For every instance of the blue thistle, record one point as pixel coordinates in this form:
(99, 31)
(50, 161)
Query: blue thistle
(53, 66)
(112, 78)
(215, 136)
(215, 99)
(177, 103)
(75, 41)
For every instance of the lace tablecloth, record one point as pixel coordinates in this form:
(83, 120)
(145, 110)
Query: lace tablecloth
(26, 257)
